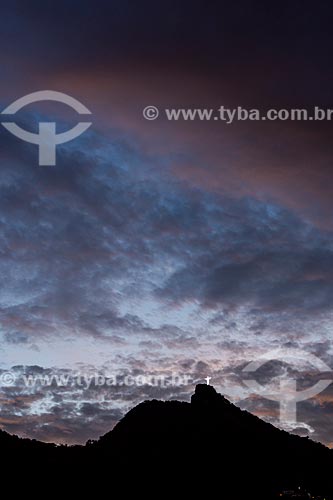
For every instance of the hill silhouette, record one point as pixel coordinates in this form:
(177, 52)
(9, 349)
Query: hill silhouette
(208, 444)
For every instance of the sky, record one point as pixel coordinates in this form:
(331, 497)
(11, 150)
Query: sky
(158, 247)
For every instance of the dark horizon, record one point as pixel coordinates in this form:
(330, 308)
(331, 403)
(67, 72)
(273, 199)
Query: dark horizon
(157, 437)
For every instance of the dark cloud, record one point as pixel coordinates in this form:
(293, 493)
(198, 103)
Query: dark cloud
(267, 259)
(72, 265)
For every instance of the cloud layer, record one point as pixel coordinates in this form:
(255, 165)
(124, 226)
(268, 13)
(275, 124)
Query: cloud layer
(163, 247)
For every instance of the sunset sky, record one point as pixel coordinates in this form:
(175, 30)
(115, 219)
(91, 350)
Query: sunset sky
(185, 247)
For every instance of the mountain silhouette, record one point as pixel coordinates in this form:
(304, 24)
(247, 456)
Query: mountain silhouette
(209, 444)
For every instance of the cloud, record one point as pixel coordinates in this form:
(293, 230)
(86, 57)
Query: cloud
(267, 259)
(62, 405)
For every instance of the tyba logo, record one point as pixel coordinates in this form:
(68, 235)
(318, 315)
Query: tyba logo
(47, 138)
